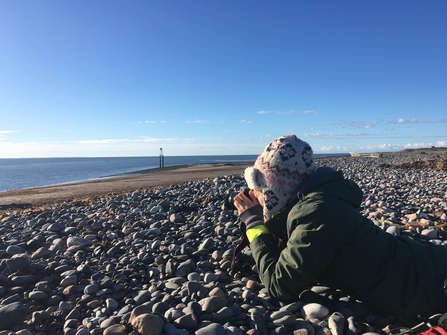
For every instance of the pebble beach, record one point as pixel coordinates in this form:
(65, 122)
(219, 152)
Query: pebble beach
(158, 260)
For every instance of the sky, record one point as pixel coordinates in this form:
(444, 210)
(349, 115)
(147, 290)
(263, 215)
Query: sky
(107, 78)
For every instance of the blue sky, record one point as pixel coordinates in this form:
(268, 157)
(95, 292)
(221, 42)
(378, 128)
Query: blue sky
(124, 78)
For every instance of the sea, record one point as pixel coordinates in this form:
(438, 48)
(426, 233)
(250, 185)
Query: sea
(19, 173)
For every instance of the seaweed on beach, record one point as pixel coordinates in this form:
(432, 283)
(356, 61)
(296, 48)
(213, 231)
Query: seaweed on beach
(437, 162)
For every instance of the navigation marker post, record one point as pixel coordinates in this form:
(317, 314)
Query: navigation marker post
(162, 159)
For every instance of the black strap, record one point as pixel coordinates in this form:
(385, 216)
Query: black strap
(235, 265)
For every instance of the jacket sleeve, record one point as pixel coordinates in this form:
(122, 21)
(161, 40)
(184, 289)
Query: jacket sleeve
(309, 250)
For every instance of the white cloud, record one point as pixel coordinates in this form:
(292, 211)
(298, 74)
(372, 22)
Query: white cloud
(246, 121)
(412, 121)
(322, 135)
(398, 146)
(332, 148)
(142, 139)
(199, 121)
(104, 141)
(414, 145)
(147, 122)
(380, 147)
(311, 111)
(4, 133)
(142, 146)
(424, 145)
(275, 112)
(362, 124)
(146, 139)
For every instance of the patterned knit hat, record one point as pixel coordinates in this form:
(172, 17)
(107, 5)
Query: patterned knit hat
(278, 171)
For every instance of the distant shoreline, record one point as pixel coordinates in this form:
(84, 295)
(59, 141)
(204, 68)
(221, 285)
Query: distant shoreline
(29, 173)
(176, 167)
(143, 179)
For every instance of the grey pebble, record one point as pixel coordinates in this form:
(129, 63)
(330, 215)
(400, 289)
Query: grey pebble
(38, 295)
(193, 276)
(107, 322)
(337, 324)
(170, 329)
(83, 331)
(231, 330)
(211, 329)
(187, 321)
(430, 233)
(172, 314)
(18, 262)
(285, 318)
(14, 250)
(224, 313)
(212, 304)
(115, 330)
(393, 230)
(142, 297)
(314, 310)
(12, 314)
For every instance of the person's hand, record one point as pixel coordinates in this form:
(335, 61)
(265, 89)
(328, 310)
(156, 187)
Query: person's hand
(249, 208)
(242, 202)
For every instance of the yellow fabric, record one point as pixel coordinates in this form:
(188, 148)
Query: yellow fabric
(255, 231)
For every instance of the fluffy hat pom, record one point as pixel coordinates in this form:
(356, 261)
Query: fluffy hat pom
(250, 175)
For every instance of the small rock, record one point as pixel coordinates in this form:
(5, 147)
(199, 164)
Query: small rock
(285, 318)
(224, 313)
(14, 250)
(231, 330)
(18, 262)
(176, 218)
(210, 277)
(171, 330)
(212, 304)
(217, 292)
(314, 310)
(188, 321)
(211, 329)
(115, 330)
(70, 280)
(393, 230)
(111, 304)
(38, 295)
(40, 253)
(148, 324)
(337, 324)
(12, 314)
(430, 233)
(78, 241)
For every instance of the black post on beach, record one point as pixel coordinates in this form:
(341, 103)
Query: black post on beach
(162, 158)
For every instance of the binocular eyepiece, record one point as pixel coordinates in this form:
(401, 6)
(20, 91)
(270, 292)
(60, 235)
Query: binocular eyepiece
(228, 204)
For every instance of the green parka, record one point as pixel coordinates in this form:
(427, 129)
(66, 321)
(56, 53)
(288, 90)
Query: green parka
(328, 241)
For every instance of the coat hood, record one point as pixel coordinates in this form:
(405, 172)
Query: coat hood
(326, 182)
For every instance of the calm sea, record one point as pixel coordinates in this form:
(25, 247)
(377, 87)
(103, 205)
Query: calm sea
(17, 173)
